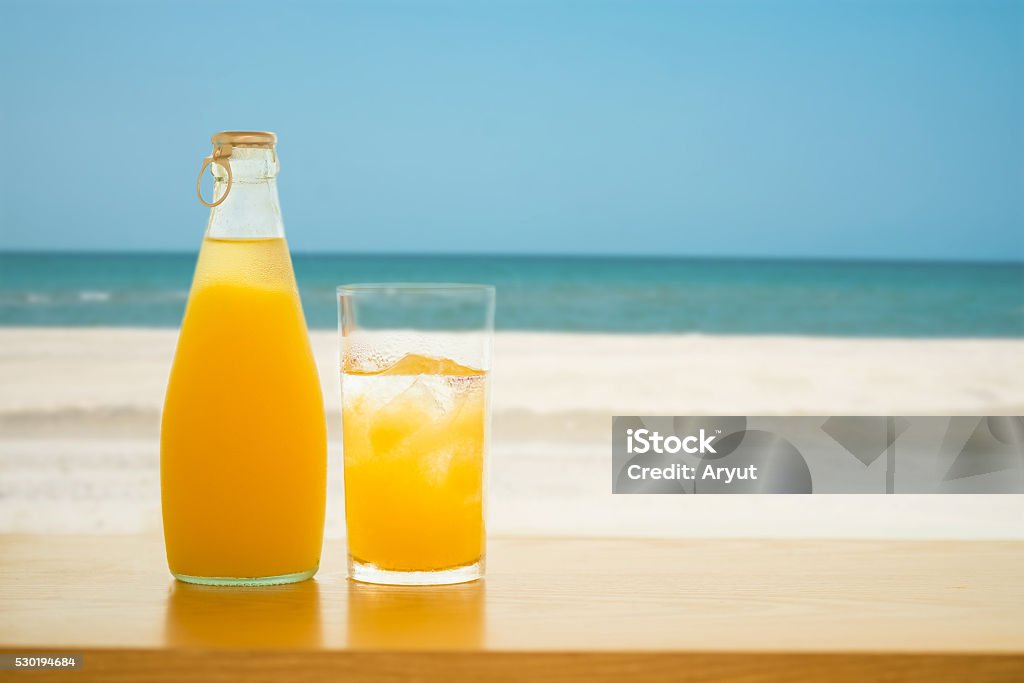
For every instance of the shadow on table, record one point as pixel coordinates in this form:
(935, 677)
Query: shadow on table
(416, 617)
(258, 617)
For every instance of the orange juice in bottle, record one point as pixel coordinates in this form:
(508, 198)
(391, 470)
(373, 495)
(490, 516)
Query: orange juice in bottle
(243, 437)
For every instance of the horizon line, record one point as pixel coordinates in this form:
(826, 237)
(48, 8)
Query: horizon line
(540, 256)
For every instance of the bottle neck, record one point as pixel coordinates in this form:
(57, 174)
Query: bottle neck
(252, 209)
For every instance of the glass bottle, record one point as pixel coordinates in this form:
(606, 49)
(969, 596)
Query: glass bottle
(243, 437)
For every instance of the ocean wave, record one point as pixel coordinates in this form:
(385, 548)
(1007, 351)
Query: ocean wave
(93, 295)
(71, 296)
(30, 298)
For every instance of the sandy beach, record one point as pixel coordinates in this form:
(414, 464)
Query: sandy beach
(79, 421)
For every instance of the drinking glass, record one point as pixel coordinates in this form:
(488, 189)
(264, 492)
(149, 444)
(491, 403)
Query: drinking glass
(415, 366)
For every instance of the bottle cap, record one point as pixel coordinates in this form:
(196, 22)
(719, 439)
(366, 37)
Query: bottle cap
(244, 138)
(223, 143)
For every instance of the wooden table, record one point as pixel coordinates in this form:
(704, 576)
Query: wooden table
(550, 609)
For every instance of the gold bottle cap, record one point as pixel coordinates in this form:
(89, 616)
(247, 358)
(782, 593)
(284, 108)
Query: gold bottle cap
(244, 138)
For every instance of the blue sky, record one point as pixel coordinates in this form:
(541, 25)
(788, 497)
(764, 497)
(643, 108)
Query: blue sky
(840, 129)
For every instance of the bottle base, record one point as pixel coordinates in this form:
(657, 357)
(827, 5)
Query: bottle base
(365, 572)
(246, 581)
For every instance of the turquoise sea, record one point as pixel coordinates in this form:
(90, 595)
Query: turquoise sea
(720, 296)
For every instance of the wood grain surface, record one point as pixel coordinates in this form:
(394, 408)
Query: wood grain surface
(550, 609)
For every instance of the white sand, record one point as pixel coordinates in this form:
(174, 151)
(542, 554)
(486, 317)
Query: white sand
(79, 415)
(54, 370)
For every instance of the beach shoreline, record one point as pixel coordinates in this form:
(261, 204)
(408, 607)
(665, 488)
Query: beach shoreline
(80, 411)
(53, 371)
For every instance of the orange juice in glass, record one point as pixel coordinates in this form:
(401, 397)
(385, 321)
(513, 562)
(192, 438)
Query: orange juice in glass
(415, 419)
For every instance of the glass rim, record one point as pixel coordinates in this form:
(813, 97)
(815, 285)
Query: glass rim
(412, 287)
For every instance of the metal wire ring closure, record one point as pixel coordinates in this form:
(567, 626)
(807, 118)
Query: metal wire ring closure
(224, 161)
